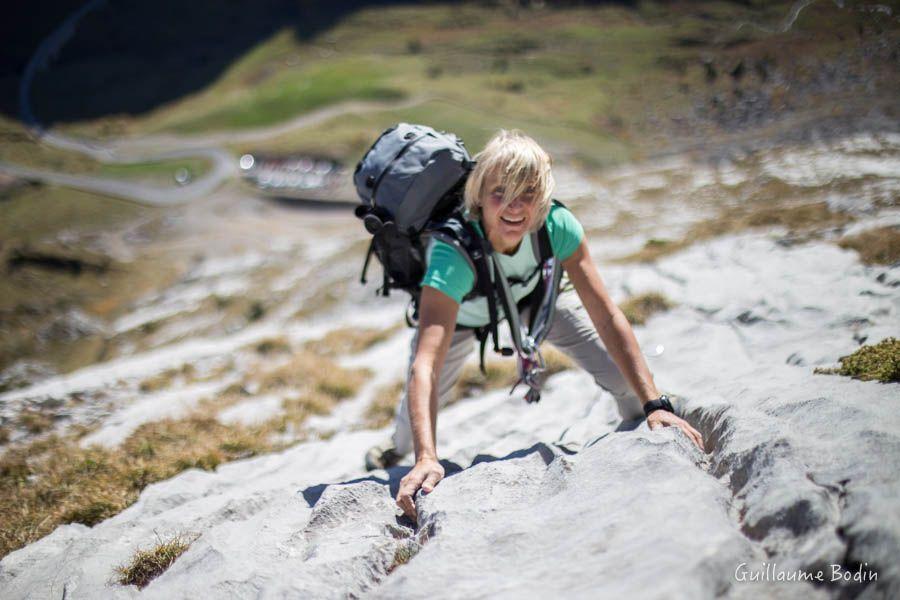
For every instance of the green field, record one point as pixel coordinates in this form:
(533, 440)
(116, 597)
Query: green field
(161, 172)
(280, 97)
(19, 147)
(597, 84)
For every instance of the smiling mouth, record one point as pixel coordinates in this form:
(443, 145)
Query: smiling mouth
(512, 222)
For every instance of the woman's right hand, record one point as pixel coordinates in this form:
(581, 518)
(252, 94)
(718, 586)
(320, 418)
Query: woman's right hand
(425, 475)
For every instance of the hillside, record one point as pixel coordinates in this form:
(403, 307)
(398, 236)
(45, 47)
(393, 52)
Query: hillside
(193, 370)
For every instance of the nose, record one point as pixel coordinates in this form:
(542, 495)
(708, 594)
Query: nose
(517, 203)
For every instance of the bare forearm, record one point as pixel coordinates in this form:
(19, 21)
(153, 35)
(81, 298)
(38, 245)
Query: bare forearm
(623, 347)
(423, 411)
(612, 326)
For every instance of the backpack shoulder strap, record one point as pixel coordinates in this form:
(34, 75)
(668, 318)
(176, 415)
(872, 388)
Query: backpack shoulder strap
(455, 232)
(461, 234)
(542, 248)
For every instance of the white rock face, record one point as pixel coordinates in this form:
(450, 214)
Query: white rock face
(798, 481)
(801, 473)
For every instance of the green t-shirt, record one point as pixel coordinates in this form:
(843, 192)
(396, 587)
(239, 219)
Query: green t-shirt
(449, 272)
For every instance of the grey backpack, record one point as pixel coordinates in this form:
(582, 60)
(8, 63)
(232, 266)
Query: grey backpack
(411, 176)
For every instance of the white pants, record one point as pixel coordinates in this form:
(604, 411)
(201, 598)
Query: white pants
(572, 332)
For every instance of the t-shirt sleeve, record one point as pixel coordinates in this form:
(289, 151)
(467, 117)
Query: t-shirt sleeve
(448, 271)
(565, 231)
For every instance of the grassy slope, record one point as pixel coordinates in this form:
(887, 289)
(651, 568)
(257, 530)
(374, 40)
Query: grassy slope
(36, 218)
(600, 84)
(34, 213)
(19, 147)
(575, 75)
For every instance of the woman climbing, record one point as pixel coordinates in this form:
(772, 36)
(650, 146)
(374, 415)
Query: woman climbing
(507, 197)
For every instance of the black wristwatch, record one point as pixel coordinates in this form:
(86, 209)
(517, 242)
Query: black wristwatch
(661, 403)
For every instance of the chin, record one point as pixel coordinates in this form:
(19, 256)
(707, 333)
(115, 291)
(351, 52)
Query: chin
(513, 240)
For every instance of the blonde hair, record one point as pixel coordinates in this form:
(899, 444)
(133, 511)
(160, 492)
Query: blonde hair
(520, 163)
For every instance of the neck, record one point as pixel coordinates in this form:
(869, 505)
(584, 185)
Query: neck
(498, 245)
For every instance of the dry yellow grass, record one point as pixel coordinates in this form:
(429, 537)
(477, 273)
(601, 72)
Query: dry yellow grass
(275, 345)
(655, 248)
(53, 481)
(323, 299)
(351, 340)
(380, 411)
(307, 371)
(35, 421)
(147, 565)
(498, 374)
(877, 246)
(638, 309)
(297, 409)
(165, 379)
(803, 219)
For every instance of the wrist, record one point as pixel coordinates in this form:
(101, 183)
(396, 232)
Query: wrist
(660, 403)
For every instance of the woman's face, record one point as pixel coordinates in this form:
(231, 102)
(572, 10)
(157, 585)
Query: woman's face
(506, 227)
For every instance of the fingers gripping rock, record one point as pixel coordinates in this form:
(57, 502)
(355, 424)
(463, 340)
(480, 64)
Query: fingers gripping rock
(353, 539)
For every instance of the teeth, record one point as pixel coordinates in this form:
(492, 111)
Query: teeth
(513, 222)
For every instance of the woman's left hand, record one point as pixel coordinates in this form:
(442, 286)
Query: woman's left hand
(663, 418)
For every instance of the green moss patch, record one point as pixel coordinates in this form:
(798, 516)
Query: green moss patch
(405, 552)
(878, 362)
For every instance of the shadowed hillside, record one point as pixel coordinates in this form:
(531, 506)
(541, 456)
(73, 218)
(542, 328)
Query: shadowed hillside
(129, 58)
(132, 57)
